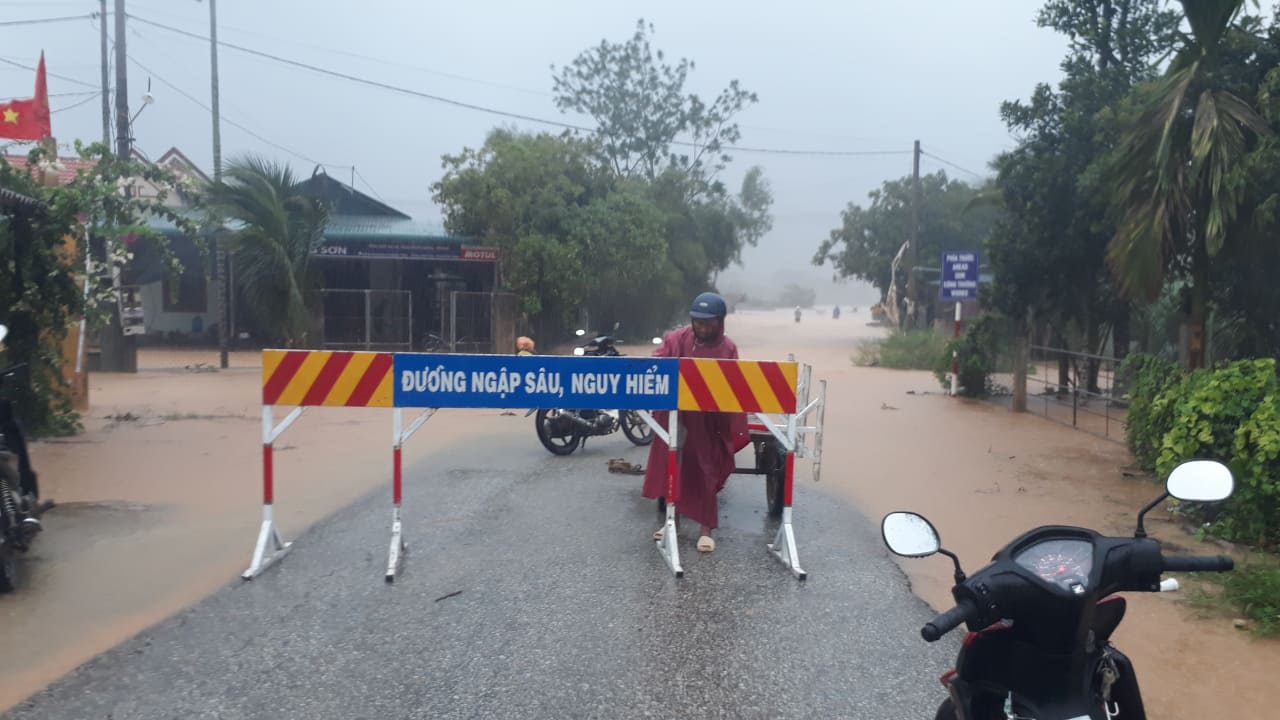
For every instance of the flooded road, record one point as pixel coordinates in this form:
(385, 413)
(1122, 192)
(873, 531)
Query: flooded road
(532, 589)
(162, 504)
(161, 498)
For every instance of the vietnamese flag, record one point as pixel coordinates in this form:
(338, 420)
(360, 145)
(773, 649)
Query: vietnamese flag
(28, 119)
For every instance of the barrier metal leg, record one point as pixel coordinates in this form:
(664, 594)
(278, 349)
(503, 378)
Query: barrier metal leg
(397, 540)
(397, 545)
(669, 545)
(783, 546)
(398, 548)
(269, 548)
(817, 435)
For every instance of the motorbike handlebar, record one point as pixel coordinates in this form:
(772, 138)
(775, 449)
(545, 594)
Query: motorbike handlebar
(947, 621)
(1202, 563)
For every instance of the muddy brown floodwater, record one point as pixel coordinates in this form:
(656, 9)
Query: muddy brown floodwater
(984, 475)
(160, 502)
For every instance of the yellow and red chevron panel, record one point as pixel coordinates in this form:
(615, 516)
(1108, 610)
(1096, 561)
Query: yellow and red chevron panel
(313, 377)
(737, 386)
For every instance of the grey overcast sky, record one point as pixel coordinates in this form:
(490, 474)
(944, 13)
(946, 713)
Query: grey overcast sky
(857, 75)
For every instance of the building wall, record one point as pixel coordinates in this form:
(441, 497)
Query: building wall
(158, 321)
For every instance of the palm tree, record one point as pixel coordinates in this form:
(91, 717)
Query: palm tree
(279, 228)
(1179, 176)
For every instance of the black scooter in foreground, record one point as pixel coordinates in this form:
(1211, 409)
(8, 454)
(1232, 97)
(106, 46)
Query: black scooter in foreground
(1041, 615)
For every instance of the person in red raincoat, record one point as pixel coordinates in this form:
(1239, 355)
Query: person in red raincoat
(708, 440)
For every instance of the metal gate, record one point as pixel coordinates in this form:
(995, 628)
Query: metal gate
(470, 322)
(367, 319)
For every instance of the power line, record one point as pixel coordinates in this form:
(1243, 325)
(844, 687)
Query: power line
(32, 68)
(494, 111)
(365, 81)
(368, 185)
(948, 162)
(359, 56)
(46, 21)
(76, 104)
(230, 122)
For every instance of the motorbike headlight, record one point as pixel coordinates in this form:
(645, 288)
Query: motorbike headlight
(579, 351)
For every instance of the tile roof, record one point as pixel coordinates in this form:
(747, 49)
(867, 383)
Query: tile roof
(67, 172)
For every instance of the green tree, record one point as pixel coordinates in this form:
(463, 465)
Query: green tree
(575, 234)
(751, 212)
(520, 192)
(1047, 251)
(1180, 173)
(641, 109)
(38, 293)
(279, 229)
(1245, 296)
(797, 295)
(622, 243)
(868, 238)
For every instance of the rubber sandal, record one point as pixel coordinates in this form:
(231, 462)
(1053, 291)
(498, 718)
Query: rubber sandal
(706, 544)
(658, 535)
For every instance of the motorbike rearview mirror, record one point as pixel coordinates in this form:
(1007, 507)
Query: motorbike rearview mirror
(1200, 481)
(579, 351)
(909, 535)
(1192, 481)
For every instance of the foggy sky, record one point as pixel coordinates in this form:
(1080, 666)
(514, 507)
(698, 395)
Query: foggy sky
(854, 75)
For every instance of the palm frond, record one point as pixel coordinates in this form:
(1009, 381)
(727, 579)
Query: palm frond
(273, 249)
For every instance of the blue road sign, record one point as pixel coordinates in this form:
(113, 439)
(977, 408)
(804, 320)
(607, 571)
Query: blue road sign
(959, 275)
(531, 381)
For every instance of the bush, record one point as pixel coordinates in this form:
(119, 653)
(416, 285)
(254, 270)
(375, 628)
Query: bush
(1255, 590)
(1146, 377)
(1231, 414)
(978, 352)
(914, 350)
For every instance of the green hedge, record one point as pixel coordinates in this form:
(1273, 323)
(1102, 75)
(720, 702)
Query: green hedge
(1230, 413)
(977, 354)
(1146, 377)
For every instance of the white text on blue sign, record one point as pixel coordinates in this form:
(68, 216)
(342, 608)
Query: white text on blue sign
(531, 382)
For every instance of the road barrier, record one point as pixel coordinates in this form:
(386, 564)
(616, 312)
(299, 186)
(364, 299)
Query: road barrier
(774, 394)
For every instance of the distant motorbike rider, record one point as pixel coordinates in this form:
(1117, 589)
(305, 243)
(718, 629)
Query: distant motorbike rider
(525, 345)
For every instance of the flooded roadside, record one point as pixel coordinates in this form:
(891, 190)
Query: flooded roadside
(160, 500)
(983, 475)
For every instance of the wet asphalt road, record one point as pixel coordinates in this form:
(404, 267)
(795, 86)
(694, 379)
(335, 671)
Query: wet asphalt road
(564, 610)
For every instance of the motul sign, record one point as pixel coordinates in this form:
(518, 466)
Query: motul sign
(483, 254)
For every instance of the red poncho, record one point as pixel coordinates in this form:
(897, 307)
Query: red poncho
(710, 440)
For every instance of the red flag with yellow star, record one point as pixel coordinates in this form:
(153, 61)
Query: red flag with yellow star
(28, 119)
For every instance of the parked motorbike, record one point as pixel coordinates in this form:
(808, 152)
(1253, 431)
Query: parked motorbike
(563, 431)
(19, 509)
(1041, 615)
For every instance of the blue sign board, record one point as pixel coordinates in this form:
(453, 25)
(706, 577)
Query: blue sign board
(531, 381)
(959, 275)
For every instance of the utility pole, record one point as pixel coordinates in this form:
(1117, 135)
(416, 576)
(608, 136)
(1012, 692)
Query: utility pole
(106, 80)
(119, 351)
(221, 293)
(913, 294)
(122, 87)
